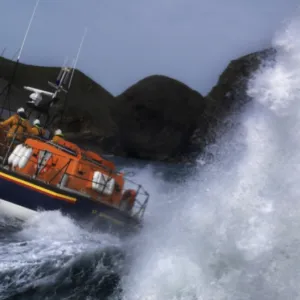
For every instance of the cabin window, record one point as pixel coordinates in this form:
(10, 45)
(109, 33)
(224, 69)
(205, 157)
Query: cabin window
(43, 158)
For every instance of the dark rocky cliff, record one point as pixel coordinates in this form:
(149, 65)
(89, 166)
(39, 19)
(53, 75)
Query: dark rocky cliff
(158, 118)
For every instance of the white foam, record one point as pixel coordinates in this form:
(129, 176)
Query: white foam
(232, 232)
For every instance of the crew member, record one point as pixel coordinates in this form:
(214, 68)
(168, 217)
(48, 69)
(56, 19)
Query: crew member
(128, 199)
(19, 126)
(58, 136)
(37, 130)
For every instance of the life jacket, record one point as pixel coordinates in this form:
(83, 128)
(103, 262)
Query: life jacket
(18, 126)
(58, 139)
(38, 131)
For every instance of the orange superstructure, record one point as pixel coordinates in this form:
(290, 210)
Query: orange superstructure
(66, 165)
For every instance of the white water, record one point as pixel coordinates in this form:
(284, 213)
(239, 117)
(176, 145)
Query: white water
(45, 247)
(233, 231)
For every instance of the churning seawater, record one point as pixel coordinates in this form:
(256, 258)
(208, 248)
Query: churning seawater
(225, 228)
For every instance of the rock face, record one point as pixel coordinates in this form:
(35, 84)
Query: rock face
(232, 84)
(228, 95)
(156, 117)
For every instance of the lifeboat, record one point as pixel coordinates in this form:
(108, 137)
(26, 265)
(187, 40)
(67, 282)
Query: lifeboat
(39, 174)
(42, 175)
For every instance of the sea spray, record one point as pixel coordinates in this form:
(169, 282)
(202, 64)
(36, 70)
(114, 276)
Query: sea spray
(232, 231)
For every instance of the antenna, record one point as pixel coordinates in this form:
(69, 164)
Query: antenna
(76, 60)
(8, 86)
(28, 28)
(60, 72)
(73, 71)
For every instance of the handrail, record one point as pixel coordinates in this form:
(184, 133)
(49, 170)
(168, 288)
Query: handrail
(63, 148)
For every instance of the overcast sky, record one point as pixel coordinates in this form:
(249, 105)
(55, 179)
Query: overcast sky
(189, 40)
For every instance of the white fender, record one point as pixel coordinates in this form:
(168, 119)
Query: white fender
(13, 154)
(102, 183)
(96, 179)
(17, 153)
(18, 156)
(25, 158)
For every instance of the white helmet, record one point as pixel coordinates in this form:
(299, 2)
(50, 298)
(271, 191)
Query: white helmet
(20, 110)
(58, 132)
(36, 122)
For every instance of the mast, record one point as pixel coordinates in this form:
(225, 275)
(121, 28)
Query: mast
(42, 100)
(73, 71)
(7, 87)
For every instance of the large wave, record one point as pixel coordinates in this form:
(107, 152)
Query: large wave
(232, 230)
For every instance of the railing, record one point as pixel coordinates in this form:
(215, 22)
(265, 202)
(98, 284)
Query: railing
(142, 196)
